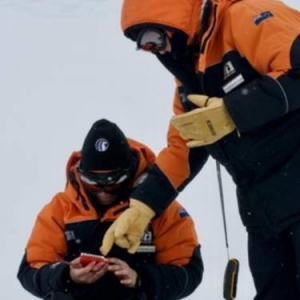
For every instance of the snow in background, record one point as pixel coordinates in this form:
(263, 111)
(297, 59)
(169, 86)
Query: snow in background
(63, 65)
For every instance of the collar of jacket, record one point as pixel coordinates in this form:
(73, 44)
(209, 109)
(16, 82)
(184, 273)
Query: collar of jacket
(212, 15)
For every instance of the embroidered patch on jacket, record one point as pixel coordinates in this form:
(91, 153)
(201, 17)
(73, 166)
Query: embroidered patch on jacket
(228, 70)
(70, 235)
(147, 237)
(147, 245)
(261, 17)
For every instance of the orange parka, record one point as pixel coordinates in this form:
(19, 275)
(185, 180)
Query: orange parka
(247, 52)
(168, 260)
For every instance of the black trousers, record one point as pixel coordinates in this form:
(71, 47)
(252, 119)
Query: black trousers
(275, 264)
(69, 296)
(59, 296)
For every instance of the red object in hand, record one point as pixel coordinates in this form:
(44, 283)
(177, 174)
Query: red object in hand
(86, 258)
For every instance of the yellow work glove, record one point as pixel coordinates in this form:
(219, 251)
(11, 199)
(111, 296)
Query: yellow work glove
(127, 230)
(206, 124)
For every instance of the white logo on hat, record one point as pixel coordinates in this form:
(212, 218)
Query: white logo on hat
(101, 145)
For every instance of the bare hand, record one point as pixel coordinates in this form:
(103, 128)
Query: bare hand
(89, 274)
(121, 270)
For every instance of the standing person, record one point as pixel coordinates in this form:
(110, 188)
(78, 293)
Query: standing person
(237, 69)
(167, 264)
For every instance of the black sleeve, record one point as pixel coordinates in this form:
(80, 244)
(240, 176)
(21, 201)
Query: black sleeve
(266, 99)
(172, 281)
(156, 190)
(42, 281)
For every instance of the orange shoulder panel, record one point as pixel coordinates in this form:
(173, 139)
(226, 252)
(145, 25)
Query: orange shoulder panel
(175, 236)
(47, 241)
(269, 53)
(144, 151)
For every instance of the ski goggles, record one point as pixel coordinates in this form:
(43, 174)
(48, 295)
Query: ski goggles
(103, 179)
(152, 40)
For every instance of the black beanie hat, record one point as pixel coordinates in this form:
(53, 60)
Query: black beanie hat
(105, 148)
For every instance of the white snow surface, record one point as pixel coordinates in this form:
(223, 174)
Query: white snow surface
(65, 64)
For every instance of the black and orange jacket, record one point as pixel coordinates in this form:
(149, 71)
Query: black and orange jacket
(249, 54)
(70, 224)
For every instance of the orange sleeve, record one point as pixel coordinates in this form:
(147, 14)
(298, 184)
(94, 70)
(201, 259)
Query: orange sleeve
(175, 160)
(47, 241)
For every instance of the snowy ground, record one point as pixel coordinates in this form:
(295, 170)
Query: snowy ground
(65, 64)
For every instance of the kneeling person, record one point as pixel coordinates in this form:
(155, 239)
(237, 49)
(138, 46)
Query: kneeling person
(100, 177)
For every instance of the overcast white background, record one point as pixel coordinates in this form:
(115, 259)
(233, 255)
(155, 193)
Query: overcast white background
(63, 65)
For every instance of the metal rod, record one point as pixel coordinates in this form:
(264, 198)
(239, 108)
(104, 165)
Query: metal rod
(219, 175)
